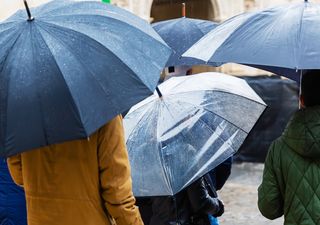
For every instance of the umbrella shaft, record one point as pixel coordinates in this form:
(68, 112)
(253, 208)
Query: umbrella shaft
(30, 18)
(159, 92)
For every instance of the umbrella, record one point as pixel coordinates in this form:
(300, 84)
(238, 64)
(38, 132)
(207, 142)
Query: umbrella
(283, 40)
(198, 122)
(180, 34)
(70, 68)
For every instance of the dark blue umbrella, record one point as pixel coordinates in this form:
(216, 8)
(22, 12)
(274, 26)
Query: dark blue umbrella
(180, 34)
(71, 69)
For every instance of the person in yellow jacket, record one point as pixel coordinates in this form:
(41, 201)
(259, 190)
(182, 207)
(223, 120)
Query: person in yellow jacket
(81, 182)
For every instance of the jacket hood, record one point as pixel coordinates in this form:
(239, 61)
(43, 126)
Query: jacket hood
(302, 133)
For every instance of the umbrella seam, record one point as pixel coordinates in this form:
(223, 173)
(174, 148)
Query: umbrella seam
(43, 121)
(217, 90)
(166, 173)
(299, 36)
(142, 117)
(219, 115)
(231, 35)
(73, 101)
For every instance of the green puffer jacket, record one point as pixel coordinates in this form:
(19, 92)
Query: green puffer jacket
(291, 178)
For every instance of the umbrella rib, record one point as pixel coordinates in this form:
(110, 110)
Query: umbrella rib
(166, 174)
(142, 117)
(198, 107)
(212, 131)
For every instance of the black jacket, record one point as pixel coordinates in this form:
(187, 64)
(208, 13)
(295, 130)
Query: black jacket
(192, 204)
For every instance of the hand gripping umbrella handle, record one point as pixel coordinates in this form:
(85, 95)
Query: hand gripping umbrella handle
(30, 18)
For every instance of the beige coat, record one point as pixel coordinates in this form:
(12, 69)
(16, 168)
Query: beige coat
(78, 182)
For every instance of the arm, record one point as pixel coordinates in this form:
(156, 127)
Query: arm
(15, 168)
(200, 200)
(115, 179)
(270, 200)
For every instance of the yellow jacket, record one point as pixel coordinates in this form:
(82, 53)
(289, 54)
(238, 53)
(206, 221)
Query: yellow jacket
(79, 182)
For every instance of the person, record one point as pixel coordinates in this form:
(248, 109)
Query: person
(217, 178)
(80, 182)
(12, 200)
(290, 184)
(191, 206)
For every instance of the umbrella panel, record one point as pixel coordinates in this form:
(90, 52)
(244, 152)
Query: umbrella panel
(181, 141)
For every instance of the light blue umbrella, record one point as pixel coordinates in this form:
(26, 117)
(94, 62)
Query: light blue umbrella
(283, 40)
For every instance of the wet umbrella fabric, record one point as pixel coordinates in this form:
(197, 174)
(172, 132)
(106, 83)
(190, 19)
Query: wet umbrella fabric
(70, 70)
(180, 34)
(200, 121)
(282, 40)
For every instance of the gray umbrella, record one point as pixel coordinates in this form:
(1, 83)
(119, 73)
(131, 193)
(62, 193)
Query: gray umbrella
(198, 122)
(70, 69)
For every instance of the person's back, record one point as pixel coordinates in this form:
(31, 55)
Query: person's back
(291, 180)
(78, 182)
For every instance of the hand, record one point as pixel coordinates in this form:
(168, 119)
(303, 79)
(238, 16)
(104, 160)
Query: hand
(221, 209)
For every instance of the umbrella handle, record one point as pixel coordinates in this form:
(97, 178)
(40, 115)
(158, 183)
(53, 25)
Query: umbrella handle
(30, 18)
(183, 9)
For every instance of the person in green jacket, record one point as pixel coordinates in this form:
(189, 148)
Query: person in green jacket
(291, 177)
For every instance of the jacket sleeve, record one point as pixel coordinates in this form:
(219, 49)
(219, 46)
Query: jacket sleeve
(115, 178)
(15, 168)
(201, 201)
(270, 199)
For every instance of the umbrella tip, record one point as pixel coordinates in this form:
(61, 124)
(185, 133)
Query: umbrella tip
(184, 9)
(30, 18)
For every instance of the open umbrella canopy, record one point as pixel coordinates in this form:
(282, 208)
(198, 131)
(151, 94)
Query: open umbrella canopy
(180, 34)
(283, 40)
(200, 121)
(69, 68)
